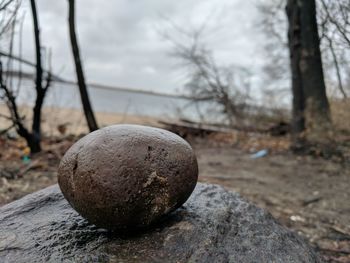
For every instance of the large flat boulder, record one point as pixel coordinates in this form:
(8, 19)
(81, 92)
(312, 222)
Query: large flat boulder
(214, 225)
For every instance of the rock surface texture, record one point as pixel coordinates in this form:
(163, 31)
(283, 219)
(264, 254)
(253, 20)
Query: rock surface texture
(127, 176)
(213, 226)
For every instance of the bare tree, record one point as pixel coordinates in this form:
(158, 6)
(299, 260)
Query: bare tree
(33, 138)
(334, 31)
(227, 86)
(334, 25)
(89, 114)
(311, 113)
(40, 90)
(8, 11)
(336, 14)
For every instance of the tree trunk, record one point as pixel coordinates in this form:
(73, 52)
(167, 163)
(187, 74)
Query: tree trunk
(294, 38)
(311, 113)
(89, 114)
(34, 143)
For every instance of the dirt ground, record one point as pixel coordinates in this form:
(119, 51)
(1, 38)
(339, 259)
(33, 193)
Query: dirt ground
(309, 195)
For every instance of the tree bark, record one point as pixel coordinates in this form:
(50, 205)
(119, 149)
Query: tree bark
(294, 38)
(311, 113)
(89, 114)
(34, 144)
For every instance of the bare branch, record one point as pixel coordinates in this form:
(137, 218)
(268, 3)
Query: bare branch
(341, 29)
(12, 106)
(337, 68)
(207, 81)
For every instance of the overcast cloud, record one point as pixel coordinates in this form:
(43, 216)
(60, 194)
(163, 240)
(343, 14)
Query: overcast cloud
(121, 45)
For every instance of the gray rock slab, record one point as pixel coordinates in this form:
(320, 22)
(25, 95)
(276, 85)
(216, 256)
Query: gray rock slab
(214, 225)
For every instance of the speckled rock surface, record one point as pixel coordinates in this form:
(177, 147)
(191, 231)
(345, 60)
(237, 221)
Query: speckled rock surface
(127, 176)
(213, 226)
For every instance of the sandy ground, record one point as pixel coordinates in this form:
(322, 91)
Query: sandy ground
(73, 120)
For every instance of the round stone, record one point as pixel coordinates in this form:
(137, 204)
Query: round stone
(127, 176)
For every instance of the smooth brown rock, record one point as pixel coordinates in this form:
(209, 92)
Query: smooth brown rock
(127, 176)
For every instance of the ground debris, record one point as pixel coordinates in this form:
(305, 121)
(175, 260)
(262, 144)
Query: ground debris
(315, 189)
(311, 200)
(18, 178)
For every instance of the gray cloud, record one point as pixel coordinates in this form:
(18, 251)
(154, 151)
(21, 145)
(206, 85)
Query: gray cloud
(121, 46)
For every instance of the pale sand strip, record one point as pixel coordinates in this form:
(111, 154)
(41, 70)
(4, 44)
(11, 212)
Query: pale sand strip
(74, 119)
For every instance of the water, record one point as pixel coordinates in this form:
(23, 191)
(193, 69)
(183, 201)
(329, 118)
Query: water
(117, 101)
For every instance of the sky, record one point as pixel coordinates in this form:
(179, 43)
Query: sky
(122, 44)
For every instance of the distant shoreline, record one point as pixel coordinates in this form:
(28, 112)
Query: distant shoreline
(57, 79)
